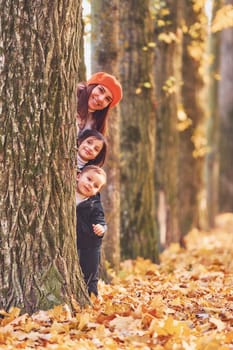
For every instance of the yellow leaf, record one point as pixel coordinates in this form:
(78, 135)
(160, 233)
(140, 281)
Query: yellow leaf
(147, 85)
(168, 38)
(218, 323)
(183, 125)
(10, 316)
(138, 91)
(161, 23)
(151, 44)
(223, 18)
(164, 12)
(181, 115)
(83, 319)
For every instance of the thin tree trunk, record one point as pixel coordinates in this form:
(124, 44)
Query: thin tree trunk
(168, 84)
(212, 157)
(105, 48)
(192, 121)
(226, 120)
(138, 225)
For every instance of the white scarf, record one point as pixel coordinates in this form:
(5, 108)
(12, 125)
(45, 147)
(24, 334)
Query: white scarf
(80, 162)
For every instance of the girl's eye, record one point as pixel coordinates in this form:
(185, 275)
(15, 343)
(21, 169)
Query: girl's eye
(97, 149)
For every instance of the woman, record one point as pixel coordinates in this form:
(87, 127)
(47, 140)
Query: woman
(95, 97)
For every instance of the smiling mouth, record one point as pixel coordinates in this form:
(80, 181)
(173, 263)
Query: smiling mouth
(96, 102)
(86, 189)
(88, 153)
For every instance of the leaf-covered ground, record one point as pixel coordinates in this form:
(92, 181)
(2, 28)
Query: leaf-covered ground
(186, 302)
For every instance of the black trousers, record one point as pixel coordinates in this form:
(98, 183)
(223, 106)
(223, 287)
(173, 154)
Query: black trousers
(89, 260)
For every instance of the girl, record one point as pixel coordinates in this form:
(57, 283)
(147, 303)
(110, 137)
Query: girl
(92, 148)
(95, 97)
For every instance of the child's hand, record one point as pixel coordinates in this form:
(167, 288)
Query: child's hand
(98, 229)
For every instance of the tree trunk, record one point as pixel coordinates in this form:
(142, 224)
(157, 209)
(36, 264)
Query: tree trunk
(168, 84)
(226, 120)
(105, 30)
(212, 157)
(138, 226)
(82, 65)
(191, 122)
(39, 264)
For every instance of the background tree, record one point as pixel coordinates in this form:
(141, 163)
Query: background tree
(191, 115)
(168, 38)
(105, 48)
(138, 225)
(82, 65)
(226, 119)
(212, 156)
(39, 63)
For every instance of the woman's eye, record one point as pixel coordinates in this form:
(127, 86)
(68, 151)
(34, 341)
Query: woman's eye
(108, 99)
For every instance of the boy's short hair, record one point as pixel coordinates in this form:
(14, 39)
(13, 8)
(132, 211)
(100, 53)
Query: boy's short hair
(96, 169)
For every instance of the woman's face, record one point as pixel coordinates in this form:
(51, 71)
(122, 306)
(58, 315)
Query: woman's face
(90, 148)
(99, 99)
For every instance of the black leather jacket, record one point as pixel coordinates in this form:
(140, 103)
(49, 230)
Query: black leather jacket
(89, 212)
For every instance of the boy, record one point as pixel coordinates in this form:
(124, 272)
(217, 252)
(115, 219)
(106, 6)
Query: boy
(91, 224)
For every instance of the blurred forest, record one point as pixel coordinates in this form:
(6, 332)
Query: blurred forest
(170, 140)
(170, 145)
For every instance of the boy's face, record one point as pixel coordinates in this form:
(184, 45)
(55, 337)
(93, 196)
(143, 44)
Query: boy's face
(89, 183)
(90, 148)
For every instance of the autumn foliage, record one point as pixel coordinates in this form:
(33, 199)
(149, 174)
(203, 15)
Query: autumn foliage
(186, 302)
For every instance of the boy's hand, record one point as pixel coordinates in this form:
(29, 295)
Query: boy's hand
(98, 229)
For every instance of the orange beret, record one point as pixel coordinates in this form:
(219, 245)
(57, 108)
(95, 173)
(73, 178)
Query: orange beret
(110, 82)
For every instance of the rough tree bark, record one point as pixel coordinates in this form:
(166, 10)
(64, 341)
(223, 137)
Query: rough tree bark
(138, 224)
(39, 63)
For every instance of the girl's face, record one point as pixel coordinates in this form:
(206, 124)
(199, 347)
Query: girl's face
(89, 183)
(99, 99)
(90, 148)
